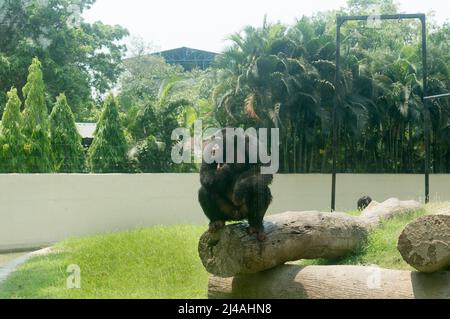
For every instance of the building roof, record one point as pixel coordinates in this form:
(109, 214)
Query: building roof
(188, 50)
(188, 58)
(86, 130)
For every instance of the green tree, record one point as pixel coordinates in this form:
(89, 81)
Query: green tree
(12, 139)
(68, 152)
(35, 122)
(76, 55)
(143, 75)
(283, 76)
(108, 153)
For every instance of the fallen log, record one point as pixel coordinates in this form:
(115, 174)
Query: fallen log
(292, 236)
(425, 243)
(332, 282)
(377, 212)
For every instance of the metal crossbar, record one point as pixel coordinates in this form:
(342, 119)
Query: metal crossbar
(432, 97)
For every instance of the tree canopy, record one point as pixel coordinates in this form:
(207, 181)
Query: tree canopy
(76, 56)
(272, 76)
(283, 76)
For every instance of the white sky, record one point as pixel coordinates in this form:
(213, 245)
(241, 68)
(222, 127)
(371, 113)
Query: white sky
(205, 24)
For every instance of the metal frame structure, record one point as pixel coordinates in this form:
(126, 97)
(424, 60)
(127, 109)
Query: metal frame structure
(340, 20)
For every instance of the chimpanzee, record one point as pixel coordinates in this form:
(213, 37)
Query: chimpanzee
(363, 202)
(233, 191)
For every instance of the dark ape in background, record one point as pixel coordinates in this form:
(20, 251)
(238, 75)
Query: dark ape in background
(363, 202)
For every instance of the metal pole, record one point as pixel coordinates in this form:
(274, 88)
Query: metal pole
(334, 113)
(432, 97)
(427, 117)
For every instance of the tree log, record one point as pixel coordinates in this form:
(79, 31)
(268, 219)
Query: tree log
(292, 236)
(425, 242)
(377, 212)
(332, 282)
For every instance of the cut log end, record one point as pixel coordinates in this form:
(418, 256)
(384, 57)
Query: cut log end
(425, 243)
(223, 241)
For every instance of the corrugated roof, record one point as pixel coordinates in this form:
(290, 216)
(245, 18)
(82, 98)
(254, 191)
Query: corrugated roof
(186, 49)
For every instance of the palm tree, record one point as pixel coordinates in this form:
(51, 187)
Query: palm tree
(274, 76)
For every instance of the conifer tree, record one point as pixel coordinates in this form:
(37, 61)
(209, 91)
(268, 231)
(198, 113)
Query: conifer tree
(67, 148)
(108, 153)
(12, 140)
(35, 122)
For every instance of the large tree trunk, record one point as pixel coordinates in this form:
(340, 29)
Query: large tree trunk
(332, 282)
(425, 242)
(292, 236)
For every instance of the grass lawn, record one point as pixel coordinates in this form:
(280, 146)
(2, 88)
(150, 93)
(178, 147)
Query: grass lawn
(160, 262)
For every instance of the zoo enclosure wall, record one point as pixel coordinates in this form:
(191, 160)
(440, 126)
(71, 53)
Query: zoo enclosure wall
(38, 210)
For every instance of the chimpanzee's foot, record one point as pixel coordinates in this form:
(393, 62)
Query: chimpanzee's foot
(260, 234)
(216, 226)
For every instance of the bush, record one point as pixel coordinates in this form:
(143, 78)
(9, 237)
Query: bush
(12, 139)
(108, 153)
(38, 149)
(68, 152)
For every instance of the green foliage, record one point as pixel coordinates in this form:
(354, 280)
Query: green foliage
(75, 55)
(152, 131)
(150, 156)
(11, 138)
(155, 99)
(68, 152)
(35, 123)
(143, 78)
(35, 112)
(180, 100)
(280, 76)
(108, 153)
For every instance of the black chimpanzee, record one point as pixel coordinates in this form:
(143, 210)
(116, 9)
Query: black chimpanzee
(233, 191)
(363, 202)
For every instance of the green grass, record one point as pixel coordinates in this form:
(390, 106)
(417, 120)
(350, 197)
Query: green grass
(162, 262)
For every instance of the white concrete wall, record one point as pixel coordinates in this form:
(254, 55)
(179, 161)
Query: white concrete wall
(36, 210)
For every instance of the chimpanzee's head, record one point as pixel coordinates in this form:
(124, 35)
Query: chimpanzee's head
(363, 202)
